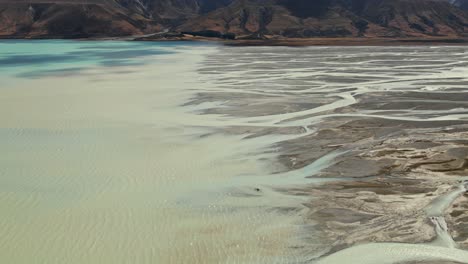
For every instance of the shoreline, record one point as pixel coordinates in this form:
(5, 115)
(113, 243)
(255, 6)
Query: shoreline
(291, 42)
(351, 42)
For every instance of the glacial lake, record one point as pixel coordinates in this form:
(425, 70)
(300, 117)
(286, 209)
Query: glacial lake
(170, 152)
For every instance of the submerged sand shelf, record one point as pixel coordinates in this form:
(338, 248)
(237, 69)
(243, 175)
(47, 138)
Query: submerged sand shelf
(111, 168)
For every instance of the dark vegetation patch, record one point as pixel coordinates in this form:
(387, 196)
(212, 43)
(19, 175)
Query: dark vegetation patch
(210, 34)
(307, 8)
(210, 5)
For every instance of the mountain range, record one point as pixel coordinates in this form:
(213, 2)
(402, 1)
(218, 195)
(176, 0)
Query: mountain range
(240, 18)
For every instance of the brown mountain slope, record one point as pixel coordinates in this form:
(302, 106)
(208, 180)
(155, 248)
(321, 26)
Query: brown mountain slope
(302, 18)
(69, 19)
(254, 18)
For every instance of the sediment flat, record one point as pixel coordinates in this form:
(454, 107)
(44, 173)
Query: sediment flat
(398, 118)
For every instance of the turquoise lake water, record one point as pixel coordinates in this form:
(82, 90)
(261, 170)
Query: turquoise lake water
(102, 163)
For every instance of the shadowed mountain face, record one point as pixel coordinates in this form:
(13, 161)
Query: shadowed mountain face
(306, 9)
(288, 18)
(69, 19)
(463, 4)
(338, 18)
